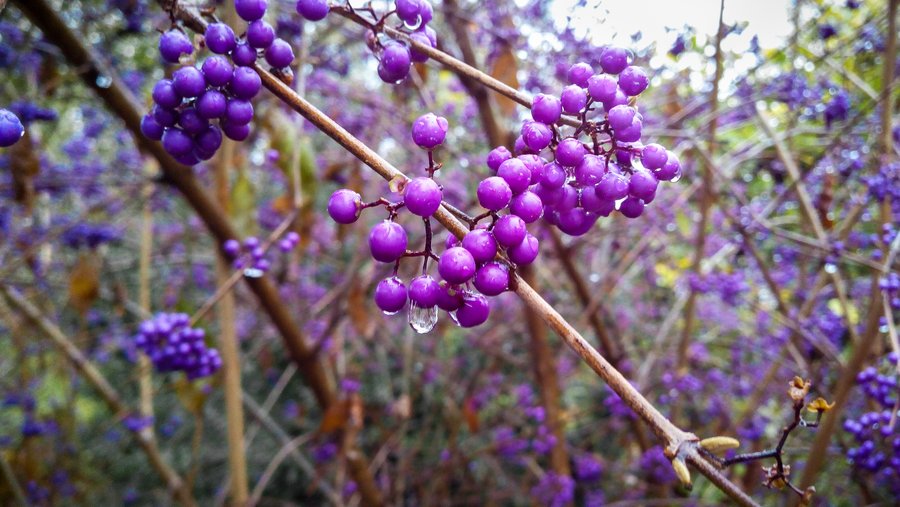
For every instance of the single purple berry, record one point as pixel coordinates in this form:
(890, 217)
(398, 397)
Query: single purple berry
(238, 112)
(592, 202)
(387, 241)
(671, 170)
(525, 252)
(602, 87)
(395, 62)
(176, 142)
(422, 196)
(492, 279)
(481, 244)
(424, 291)
(280, 54)
(236, 132)
(390, 295)
(426, 37)
(573, 99)
(231, 247)
(456, 265)
(654, 156)
(570, 152)
(251, 10)
(633, 81)
(188, 82)
(536, 135)
(642, 185)
(260, 34)
(212, 104)
(494, 193)
(613, 186)
(527, 206)
(546, 108)
(209, 140)
(220, 38)
(517, 176)
(497, 156)
(632, 207)
(613, 60)
(173, 44)
(245, 83)
(576, 221)
(408, 11)
(632, 133)
(591, 169)
(191, 121)
(344, 206)
(149, 127)
(579, 74)
(510, 230)
(620, 117)
(535, 164)
(313, 10)
(429, 131)
(474, 311)
(164, 94)
(449, 299)
(243, 55)
(554, 176)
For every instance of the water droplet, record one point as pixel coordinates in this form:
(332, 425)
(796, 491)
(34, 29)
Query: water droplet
(103, 81)
(676, 178)
(388, 313)
(422, 320)
(253, 273)
(830, 268)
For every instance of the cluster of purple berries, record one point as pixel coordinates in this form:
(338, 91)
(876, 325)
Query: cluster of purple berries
(11, 129)
(468, 269)
(194, 108)
(173, 345)
(601, 167)
(877, 433)
(251, 255)
(395, 58)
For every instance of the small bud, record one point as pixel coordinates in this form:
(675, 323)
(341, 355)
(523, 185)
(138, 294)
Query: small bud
(819, 405)
(681, 470)
(808, 496)
(719, 444)
(798, 389)
(398, 184)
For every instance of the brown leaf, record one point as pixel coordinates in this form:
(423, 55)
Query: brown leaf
(25, 165)
(470, 414)
(335, 417)
(358, 308)
(84, 282)
(505, 69)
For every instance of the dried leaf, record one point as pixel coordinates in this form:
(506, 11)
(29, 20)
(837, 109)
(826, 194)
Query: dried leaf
(335, 417)
(470, 414)
(84, 282)
(819, 405)
(358, 308)
(505, 69)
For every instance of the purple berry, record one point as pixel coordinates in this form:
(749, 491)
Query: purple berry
(163, 116)
(279, 54)
(579, 74)
(536, 135)
(231, 247)
(632, 207)
(510, 230)
(654, 156)
(449, 299)
(188, 82)
(573, 99)
(426, 37)
(149, 127)
(620, 117)
(238, 112)
(422, 196)
(589, 172)
(525, 252)
(492, 279)
(173, 44)
(390, 295)
(643, 185)
(633, 81)
(570, 152)
(545, 108)
(387, 241)
(632, 133)
(497, 156)
(251, 10)
(592, 202)
(535, 164)
(481, 244)
(474, 311)
(494, 193)
(245, 83)
(344, 206)
(313, 10)
(613, 186)
(554, 176)
(243, 55)
(408, 11)
(395, 62)
(236, 132)
(576, 221)
(191, 121)
(212, 104)
(424, 291)
(209, 140)
(527, 206)
(613, 60)
(517, 176)
(176, 142)
(220, 38)
(456, 265)
(164, 94)
(602, 87)
(671, 170)
(217, 71)
(429, 131)
(567, 200)
(260, 34)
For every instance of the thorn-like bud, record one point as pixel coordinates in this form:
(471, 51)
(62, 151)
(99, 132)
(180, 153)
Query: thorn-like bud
(681, 470)
(719, 444)
(798, 389)
(808, 496)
